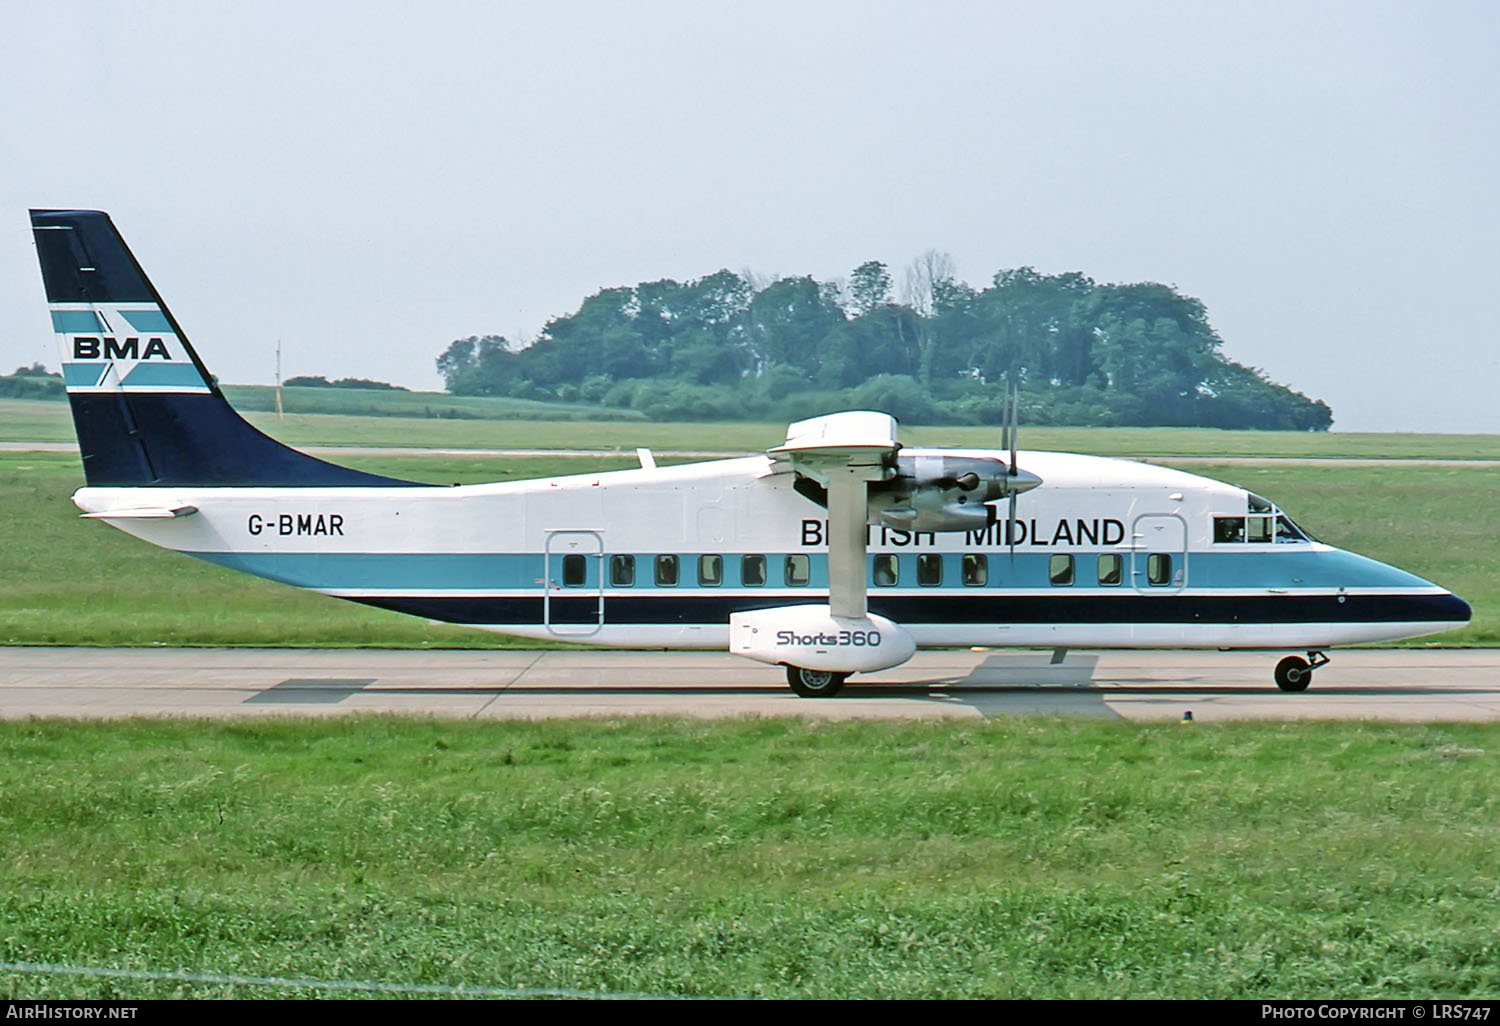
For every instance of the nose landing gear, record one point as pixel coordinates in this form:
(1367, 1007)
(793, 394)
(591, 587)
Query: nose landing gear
(1295, 673)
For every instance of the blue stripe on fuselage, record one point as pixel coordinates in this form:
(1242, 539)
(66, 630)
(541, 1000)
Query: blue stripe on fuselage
(1294, 570)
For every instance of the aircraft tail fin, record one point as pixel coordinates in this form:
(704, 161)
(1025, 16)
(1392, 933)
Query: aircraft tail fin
(146, 410)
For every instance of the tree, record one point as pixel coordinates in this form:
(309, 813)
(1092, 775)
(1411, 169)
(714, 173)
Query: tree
(789, 320)
(869, 287)
(927, 276)
(463, 358)
(1080, 352)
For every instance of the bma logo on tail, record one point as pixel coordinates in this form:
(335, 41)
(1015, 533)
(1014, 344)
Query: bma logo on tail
(98, 355)
(106, 348)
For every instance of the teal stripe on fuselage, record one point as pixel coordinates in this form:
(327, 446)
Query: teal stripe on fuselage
(521, 571)
(478, 571)
(379, 570)
(1295, 566)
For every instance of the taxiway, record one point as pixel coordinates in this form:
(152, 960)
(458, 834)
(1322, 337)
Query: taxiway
(1393, 684)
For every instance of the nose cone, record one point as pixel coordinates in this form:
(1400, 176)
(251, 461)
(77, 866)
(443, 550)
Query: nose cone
(1379, 594)
(1453, 608)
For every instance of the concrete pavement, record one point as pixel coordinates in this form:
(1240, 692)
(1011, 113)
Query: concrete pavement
(1396, 684)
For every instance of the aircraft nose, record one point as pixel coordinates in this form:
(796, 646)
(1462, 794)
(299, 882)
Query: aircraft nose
(1456, 608)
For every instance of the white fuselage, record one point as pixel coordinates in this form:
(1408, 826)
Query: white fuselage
(626, 558)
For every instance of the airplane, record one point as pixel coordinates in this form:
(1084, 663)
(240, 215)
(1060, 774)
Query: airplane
(838, 551)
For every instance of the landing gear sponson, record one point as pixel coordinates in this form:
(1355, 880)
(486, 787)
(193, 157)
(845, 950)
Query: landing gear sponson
(1295, 673)
(850, 463)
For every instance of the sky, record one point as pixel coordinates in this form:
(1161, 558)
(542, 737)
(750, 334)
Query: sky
(366, 182)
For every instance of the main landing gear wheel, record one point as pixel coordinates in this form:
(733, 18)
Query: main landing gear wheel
(1295, 673)
(815, 683)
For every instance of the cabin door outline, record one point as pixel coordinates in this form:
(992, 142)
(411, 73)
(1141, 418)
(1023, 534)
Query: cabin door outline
(1158, 534)
(573, 610)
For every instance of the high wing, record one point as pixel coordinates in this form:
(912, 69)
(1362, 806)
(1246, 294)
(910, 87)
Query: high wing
(844, 452)
(852, 464)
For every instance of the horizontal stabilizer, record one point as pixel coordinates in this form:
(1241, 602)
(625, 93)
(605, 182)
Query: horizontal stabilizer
(143, 513)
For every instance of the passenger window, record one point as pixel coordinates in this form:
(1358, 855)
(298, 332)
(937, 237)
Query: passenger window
(753, 571)
(1060, 569)
(710, 571)
(929, 570)
(1159, 568)
(666, 571)
(575, 571)
(976, 570)
(1229, 529)
(798, 571)
(1111, 569)
(622, 571)
(887, 571)
(1260, 529)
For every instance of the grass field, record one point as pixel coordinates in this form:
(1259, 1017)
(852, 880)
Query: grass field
(1019, 858)
(70, 581)
(35, 421)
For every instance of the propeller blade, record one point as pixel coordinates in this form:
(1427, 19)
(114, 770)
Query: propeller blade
(1015, 427)
(1010, 527)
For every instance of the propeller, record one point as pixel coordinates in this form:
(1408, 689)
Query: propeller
(1008, 432)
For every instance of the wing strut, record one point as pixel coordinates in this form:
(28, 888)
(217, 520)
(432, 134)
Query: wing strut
(844, 452)
(847, 503)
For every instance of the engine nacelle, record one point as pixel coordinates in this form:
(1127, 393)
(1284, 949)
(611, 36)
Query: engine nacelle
(981, 478)
(812, 638)
(933, 510)
(937, 492)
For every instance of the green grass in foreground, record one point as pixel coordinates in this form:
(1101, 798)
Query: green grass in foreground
(38, 421)
(70, 581)
(1011, 858)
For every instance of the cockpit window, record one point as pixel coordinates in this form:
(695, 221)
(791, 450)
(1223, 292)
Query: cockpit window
(1260, 529)
(1229, 529)
(1265, 523)
(1286, 531)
